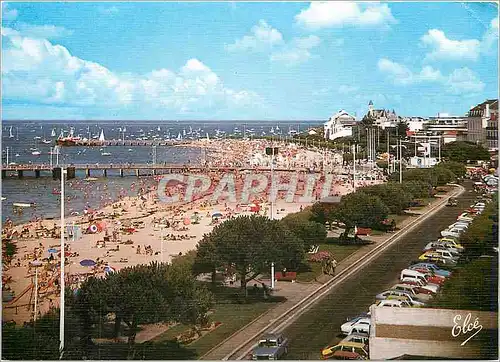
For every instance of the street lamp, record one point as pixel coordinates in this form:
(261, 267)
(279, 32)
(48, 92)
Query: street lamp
(62, 282)
(354, 167)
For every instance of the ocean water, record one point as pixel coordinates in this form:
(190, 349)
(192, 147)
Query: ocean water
(21, 138)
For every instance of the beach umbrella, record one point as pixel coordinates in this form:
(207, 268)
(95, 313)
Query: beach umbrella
(52, 250)
(87, 262)
(108, 269)
(216, 214)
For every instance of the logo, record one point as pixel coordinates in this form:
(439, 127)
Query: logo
(465, 327)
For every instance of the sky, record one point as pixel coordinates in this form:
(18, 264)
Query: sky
(252, 61)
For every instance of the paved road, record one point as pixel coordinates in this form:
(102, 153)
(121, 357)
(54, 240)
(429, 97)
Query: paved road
(320, 326)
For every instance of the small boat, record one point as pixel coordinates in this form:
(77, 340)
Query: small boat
(22, 204)
(17, 155)
(56, 192)
(91, 179)
(4, 198)
(37, 138)
(130, 150)
(46, 141)
(105, 154)
(36, 153)
(53, 134)
(10, 133)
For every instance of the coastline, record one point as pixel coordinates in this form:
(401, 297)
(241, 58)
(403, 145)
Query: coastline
(129, 223)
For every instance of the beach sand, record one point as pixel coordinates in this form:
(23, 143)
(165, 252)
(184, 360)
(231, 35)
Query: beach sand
(120, 248)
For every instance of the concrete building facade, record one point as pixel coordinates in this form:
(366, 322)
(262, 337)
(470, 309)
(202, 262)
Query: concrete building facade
(339, 125)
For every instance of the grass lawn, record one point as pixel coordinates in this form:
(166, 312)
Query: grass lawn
(231, 314)
(339, 252)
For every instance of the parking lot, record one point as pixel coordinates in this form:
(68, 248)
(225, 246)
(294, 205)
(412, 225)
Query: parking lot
(320, 326)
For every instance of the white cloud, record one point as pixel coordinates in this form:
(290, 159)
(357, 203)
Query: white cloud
(263, 37)
(397, 72)
(297, 51)
(338, 14)
(443, 48)
(8, 13)
(347, 89)
(42, 31)
(490, 37)
(36, 70)
(463, 80)
(460, 81)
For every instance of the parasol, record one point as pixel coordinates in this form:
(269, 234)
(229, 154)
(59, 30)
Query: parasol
(52, 250)
(87, 262)
(216, 214)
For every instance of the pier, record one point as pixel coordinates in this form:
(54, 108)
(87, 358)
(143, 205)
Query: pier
(124, 143)
(102, 170)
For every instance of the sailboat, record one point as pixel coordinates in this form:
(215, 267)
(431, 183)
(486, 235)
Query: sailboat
(10, 133)
(158, 129)
(101, 137)
(179, 137)
(53, 134)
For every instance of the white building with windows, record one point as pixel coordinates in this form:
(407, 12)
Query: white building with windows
(339, 125)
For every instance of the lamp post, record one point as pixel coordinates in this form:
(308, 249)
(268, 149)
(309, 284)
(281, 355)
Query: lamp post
(7, 157)
(400, 161)
(354, 167)
(62, 282)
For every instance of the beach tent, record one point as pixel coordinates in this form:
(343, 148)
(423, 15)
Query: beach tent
(87, 262)
(216, 214)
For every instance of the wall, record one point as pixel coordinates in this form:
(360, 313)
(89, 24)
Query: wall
(428, 332)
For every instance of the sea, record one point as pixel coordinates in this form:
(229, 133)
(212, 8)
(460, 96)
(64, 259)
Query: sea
(23, 140)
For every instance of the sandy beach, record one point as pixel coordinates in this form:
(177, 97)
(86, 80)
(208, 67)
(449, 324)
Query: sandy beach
(130, 230)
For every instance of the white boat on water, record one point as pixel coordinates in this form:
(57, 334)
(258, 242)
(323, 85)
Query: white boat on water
(36, 153)
(130, 150)
(22, 204)
(105, 154)
(10, 133)
(91, 179)
(4, 198)
(101, 137)
(53, 134)
(46, 141)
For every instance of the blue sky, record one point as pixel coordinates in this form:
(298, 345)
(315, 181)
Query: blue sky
(234, 60)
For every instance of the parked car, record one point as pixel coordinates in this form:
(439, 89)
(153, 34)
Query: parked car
(345, 350)
(271, 347)
(393, 303)
(398, 295)
(465, 216)
(452, 232)
(355, 326)
(451, 240)
(444, 245)
(423, 295)
(430, 268)
(452, 202)
(422, 287)
(446, 252)
(438, 259)
(358, 338)
(424, 277)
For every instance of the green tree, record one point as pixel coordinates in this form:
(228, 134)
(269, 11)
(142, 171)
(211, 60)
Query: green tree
(392, 194)
(463, 152)
(249, 244)
(323, 212)
(360, 209)
(144, 294)
(417, 189)
(457, 168)
(310, 232)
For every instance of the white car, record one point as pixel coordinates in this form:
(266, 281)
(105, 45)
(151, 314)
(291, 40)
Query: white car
(400, 295)
(393, 303)
(452, 232)
(356, 325)
(465, 216)
(417, 282)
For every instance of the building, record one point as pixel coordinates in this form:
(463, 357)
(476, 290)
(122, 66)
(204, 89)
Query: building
(431, 333)
(415, 124)
(451, 128)
(339, 125)
(482, 125)
(382, 118)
